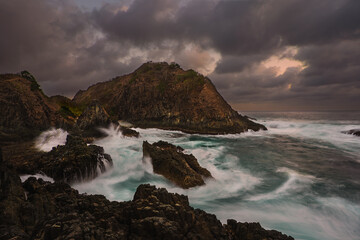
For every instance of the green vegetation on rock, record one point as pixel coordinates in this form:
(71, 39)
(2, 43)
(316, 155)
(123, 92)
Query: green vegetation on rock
(34, 85)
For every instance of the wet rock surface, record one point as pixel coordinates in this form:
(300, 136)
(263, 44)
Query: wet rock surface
(128, 132)
(41, 210)
(75, 161)
(170, 161)
(355, 132)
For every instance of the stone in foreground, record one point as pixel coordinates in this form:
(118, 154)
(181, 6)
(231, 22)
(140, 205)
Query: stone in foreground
(56, 211)
(170, 161)
(75, 161)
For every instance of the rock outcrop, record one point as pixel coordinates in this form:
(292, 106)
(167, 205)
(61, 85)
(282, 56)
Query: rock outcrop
(128, 132)
(165, 96)
(43, 210)
(355, 132)
(93, 117)
(170, 161)
(24, 108)
(75, 161)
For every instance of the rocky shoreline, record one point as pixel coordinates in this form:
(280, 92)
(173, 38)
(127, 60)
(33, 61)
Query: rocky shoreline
(37, 209)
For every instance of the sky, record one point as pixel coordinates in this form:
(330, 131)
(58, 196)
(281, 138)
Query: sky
(262, 55)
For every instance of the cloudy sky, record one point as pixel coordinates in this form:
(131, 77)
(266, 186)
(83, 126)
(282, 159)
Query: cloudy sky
(279, 55)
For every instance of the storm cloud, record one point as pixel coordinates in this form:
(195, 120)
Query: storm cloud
(262, 55)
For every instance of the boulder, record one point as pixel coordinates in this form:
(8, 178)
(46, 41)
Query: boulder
(128, 132)
(170, 161)
(355, 132)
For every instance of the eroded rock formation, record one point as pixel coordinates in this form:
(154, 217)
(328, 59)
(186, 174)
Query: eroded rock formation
(75, 161)
(165, 96)
(93, 117)
(24, 108)
(56, 211)
(170, 161)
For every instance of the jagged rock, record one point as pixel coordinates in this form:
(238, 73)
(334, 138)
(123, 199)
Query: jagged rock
(92, 118)
(24, 108)
(128, 132)
(12, 198)
(170, 161)
(56, 211)
(251, 231)
(74, 161)
(355, 132)
(23, 157)
(165, 96)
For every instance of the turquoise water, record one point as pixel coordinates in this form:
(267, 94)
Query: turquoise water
(301, 177)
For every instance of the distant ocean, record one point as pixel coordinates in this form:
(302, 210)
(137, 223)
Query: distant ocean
(301, 177)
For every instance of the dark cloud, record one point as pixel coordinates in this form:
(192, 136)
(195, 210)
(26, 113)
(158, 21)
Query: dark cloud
(68, 45)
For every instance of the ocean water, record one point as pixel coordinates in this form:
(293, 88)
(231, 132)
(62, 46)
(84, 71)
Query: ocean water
(301, 177)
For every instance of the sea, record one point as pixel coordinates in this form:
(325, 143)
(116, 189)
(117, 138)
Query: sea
(300, 177)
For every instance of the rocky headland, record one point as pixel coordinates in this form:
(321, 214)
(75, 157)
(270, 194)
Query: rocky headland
(157, 95)
(24, 109)
(163, 95)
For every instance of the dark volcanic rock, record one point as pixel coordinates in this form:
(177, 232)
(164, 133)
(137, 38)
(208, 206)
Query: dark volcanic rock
(165, 96)
(75, 161)
(251, 231)
(128, 132)
(56, 211)
(23, 157)
(355, 132)
(170, 161)
(93, 117)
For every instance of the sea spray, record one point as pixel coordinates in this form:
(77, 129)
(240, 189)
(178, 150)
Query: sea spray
(300, 177)
(37, 176)
(51, 138)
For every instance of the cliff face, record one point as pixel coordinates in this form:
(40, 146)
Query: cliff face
(23, 104)
(24, 108)
(165, 96)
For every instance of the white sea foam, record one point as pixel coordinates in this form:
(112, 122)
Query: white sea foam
(296, 183)
(37, 176)
(51, 138)
(330, 218)
(327, 132)
(237, 191)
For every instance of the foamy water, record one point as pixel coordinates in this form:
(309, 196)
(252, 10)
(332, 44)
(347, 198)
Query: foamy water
(51, 138)
(301, 177)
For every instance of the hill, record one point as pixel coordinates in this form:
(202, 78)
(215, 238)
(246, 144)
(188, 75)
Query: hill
(163, 95)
